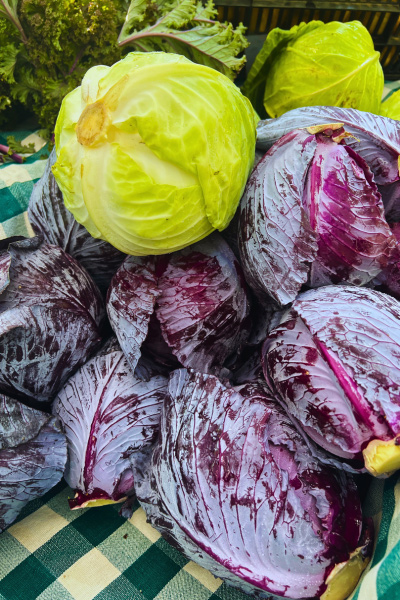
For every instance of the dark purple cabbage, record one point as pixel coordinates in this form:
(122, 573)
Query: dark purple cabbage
(107, 414)
(33, 453)
(334, 361)
(312, 215)
(376, 139)
(51, 316)
(233, 484)
(50, 218)
(190, 306)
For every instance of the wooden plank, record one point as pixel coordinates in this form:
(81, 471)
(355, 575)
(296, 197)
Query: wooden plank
(392, 7)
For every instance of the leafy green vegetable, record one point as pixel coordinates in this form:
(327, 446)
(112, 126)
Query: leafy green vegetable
(316, 64)
(391, 107)
(185, 27)
(46, 46)
(154, 152)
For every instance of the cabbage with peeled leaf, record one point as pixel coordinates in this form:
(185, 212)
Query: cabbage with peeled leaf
(153, 153)
(316, 64)
(312, 215)
(107, 413)
(51, 318)
(51, 219)
(233, 484)
(189, 308)
(376, 139)
(334, 362)
(33, 453)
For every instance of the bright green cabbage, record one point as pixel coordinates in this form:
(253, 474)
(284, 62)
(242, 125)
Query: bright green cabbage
(316, 64)
(391, 107)
(154, 152)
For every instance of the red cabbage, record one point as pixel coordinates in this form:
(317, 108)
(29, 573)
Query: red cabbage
(312, 215)
(33, 453)
(107, 414)
(233, 485)
(51, 316)
(334, 362)
(190, 306)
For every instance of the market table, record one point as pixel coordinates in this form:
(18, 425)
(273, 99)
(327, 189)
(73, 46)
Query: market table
(53, 553)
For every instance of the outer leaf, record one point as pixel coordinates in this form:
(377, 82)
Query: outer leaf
(183, 28)
(346, 211)
(275, 239)
(50, 218)
(233, 484)
(33, 454)
(202, 307)
(377, 139)
(334, 361)
(51, 317)
(107, 414)
(131, 300)
(276, 40)
(8, 60)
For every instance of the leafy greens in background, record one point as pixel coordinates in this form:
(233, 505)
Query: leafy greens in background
(40, 61)
(188, 28)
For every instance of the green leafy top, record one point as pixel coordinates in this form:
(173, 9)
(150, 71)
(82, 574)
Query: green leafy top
(185, 27)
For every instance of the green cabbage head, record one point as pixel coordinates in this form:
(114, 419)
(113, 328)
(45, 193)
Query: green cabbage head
(316, 64)
(391, 107)
(154, 152)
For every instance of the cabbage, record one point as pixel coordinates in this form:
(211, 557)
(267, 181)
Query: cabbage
(391, 107)
(376, 139)
(190, 307)
(153, 153)
(50, 218)
(233, 484)
(316, 64)
(33, 453)
(312, 214)
(107, 414)
(333, 360)
(51, 318)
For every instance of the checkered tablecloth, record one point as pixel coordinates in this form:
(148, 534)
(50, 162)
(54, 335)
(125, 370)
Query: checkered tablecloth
(53, 553)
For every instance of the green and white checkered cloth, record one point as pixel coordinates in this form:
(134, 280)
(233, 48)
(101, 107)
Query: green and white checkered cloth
(53, 553)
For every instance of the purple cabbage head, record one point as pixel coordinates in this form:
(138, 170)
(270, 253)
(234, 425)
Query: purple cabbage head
(233, 484)
(50, 218)
(51, 316)
(376, 139)
(33, 453)
(189, 308)
(334, 361)
(107, 413)
(312, 215)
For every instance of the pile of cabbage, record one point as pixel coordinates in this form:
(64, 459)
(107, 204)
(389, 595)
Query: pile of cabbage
(241, 386)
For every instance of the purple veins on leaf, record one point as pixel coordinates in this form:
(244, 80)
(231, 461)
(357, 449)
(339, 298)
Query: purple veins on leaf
(33, 453)
(334, 361)
(312, 215)
(233, 484)
(107, 414)
(190, 307)
(51, 319)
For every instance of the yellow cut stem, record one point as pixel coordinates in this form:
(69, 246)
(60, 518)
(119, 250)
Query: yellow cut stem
(382, 457)
(342, 580)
